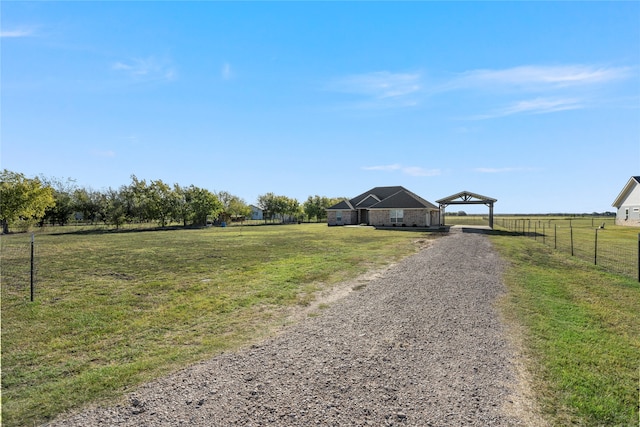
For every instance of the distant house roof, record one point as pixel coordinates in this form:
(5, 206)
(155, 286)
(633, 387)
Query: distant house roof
(633, 181)
(396, 197)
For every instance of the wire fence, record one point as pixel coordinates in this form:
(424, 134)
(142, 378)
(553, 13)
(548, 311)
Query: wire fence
(615, 252)
(18, 267)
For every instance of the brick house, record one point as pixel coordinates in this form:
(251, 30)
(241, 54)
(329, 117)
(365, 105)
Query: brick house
(385, 207)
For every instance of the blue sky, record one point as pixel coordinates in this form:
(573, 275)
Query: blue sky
(536, 104)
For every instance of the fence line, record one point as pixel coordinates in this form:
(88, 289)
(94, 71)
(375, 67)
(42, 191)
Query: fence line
(18, 267)
(587, 243)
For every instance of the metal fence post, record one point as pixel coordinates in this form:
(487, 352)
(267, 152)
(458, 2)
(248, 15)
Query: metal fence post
(555, 236)
(571, 234)
(32, 263)
(595, 252)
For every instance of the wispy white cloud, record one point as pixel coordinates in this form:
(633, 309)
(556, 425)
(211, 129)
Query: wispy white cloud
(537, 78)
(132, 139)
(407, 170)
(393, 167)
(560, 88)
(381, 88)
(147, 69)
(226, 73)
(16, 33)
(551, 88)
(503, 170)
(534, 106)
(104, 153)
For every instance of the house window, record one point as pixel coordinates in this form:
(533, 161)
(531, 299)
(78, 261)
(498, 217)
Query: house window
(397, 216)
(626, 213)
(339, 216)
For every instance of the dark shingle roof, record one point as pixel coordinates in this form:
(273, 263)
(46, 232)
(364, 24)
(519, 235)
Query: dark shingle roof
(380, 193)
(404, 199)
(396, 197)
(343, 205)
(370, 200)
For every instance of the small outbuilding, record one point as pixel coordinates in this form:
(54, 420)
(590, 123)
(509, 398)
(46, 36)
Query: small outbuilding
(628, 204)
(256, 212)
(385, 207)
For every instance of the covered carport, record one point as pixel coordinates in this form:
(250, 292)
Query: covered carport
(466, 198)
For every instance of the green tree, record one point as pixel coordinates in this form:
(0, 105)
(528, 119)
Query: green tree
(183, 211)
(115, 207)
(238, 208)
(136, 200)
(161, 202)
(315, 207)
(89, 203)
(65, 205)
(22, 199)
(234, 206)
(292, 209)
(269, 205)
(203, 203)
(282, 207)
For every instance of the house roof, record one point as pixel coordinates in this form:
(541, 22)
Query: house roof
(396, 197)
(633, 181)
(380, 193)
(404, 199)
(343, 205)
(370, 200)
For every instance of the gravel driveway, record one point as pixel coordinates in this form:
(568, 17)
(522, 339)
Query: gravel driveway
(419, 345)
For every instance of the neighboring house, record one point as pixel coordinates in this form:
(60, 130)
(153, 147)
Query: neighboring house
(628, 203)
(256, 212)
(385, 207)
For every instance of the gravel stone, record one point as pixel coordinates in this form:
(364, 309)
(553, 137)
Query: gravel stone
(422, 344)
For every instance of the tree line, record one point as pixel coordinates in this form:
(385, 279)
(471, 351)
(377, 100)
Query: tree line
(27, 202)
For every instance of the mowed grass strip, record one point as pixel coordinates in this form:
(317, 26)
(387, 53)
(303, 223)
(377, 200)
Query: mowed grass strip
(582, 334)
(115, 309)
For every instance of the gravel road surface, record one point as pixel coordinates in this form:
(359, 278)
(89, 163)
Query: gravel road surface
(421, 344)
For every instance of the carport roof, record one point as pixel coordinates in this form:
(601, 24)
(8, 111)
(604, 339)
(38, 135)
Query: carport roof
(466, 197)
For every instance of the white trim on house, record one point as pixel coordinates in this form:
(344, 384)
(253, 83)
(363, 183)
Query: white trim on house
(628, 203)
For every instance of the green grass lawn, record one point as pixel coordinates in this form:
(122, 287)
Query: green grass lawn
(115, 309)
(613, 247)
(582, 333)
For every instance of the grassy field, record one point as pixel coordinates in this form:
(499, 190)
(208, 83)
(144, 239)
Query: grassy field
(581, 333)
(594, 239)
(115, 309)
